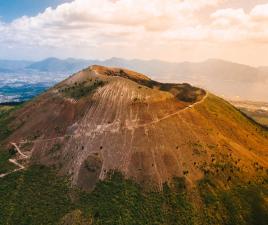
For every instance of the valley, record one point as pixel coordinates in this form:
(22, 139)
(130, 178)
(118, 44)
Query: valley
(256, 110)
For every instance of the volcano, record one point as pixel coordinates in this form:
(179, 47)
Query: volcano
(105, 119)
(111, 146)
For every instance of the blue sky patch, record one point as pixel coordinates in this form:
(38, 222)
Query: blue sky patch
(10, 10)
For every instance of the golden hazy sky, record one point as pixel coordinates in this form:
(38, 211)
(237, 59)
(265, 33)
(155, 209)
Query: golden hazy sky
(171, 30)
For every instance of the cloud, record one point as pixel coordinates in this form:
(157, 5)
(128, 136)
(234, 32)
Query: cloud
(260, 12)
(236, 25)
(111, 27)
(101, 22)
(90, 20)
(120, 12)
(227, 17)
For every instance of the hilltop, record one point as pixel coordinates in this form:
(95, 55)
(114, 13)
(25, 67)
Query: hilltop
(175, 139)
(224, 78)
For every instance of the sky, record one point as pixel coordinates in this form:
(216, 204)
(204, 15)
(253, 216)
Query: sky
(10, 10)
(173, 30)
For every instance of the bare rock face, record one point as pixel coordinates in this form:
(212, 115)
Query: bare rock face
(104, 119)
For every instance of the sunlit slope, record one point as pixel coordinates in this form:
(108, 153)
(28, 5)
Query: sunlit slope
(104, 119)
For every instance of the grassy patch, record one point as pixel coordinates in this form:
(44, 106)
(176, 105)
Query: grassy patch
(241, 204)
(5, 165)
(5, 119)
(83, 89)
(35, 196)
(5, 131)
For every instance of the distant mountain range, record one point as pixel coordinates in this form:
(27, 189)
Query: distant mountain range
(13, 65)
(5, 70)
(59, 65)
(227, 79)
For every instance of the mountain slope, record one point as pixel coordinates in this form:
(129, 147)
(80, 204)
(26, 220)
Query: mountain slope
(113, 119)
(142, 152)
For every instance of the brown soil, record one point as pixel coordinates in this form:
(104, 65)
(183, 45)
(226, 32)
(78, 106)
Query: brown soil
(149, 131)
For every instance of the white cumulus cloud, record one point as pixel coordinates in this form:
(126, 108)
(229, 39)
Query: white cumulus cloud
(138, 28)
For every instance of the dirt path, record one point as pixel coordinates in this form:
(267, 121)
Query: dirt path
(21, 167)
(126, 127)
(170, 115)
(15, 162)
(18, 150)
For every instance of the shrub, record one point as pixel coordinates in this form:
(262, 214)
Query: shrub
(82, 89)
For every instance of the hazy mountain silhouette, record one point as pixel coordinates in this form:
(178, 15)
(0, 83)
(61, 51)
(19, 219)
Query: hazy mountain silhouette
(231, 80)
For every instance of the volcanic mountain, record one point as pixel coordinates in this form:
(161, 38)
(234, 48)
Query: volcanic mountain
(110, 119)
(135, 151)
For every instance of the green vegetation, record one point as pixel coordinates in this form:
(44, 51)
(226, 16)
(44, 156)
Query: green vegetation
(37, 196)
(82, 89)
(5, 119)
(120, 201)
(215, 105)
(5, 131)
(5, 165)
(241, 204)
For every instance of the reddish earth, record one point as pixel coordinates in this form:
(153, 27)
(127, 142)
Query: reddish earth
(103, 119)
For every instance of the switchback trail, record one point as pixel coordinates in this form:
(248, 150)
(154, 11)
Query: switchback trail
(18, 150)
(15, 162)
